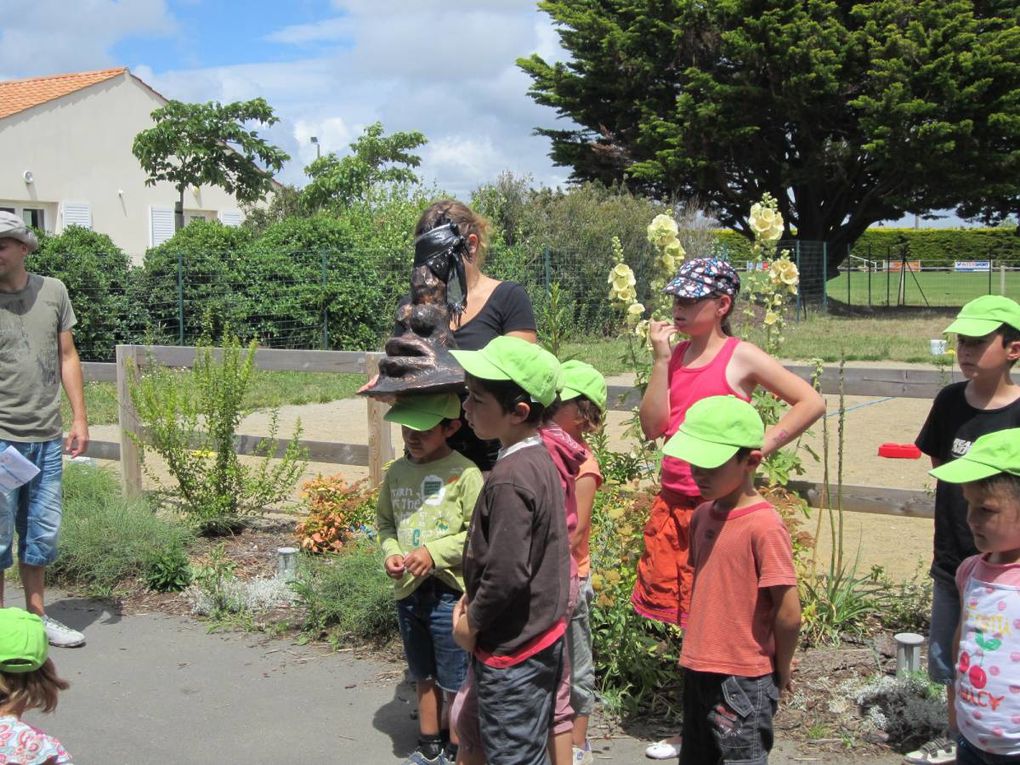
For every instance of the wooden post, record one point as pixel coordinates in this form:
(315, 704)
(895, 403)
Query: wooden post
(380, 444)
(129, 360)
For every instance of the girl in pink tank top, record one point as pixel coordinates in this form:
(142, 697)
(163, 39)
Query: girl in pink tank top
(711, 362)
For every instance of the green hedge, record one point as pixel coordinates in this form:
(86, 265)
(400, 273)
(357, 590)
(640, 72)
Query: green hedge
(932, 246)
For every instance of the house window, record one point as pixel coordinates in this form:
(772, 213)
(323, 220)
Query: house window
(192, 217)
(7, 209)
(35, 217)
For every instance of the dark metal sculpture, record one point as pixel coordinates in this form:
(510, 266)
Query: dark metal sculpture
(418, 355)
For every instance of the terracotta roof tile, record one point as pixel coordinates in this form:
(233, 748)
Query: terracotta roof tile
(18, 95)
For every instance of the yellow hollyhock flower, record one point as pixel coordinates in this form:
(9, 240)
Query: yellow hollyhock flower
(662, 230)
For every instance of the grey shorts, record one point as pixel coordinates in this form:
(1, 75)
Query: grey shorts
(516, 705)
(727, 718)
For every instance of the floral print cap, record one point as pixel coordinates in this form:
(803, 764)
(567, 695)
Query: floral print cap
(701, 277)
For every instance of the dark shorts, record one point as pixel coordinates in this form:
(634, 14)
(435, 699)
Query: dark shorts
(727, 719)
(426, 628)
(35, 509)
(516, 706)
(968, 754)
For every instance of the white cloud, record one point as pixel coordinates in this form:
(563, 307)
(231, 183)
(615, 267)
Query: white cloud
(447, 69)
(55, 36)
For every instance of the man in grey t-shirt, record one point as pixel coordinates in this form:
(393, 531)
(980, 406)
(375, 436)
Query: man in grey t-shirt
(37, 354)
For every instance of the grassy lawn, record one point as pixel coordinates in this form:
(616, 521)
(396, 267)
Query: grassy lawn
(891, 338)
(268, 389)
(939, 288)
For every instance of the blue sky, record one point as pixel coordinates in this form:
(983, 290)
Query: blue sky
(328, 67)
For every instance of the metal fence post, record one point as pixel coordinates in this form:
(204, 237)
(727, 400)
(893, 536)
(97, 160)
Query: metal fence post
(180, 298)
(849, 270)
(548, 270)
(796, 249)
(1002, 279)
(825, 277)
(325, 303)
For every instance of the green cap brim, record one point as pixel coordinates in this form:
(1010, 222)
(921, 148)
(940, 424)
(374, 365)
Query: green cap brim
(411, 418)
(972, 327)
(566, 394)
(698, 452)
(475, 363)
(963, 470)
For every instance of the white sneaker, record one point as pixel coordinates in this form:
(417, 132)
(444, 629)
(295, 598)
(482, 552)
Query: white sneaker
(667, 749)
(583, 756)
(939, 751)
(61, 635)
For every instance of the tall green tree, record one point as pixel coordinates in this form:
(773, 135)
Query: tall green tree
(211, 144)
(847, 112)
(338, 182)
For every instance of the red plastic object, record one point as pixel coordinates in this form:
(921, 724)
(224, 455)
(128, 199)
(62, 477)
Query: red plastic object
(899, 451)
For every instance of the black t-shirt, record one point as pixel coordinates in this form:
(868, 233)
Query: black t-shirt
(952, 426)
(508, 309)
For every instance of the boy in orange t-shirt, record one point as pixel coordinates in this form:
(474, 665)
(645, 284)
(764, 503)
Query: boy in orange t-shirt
(745, 612)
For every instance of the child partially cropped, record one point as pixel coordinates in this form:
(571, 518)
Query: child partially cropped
(28, 680)
(425, 504)
(517, 559)
(744, 620)
(580, 410)
(987, 641)
(987, 333)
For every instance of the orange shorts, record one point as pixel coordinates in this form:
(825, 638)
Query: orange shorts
(662, 590)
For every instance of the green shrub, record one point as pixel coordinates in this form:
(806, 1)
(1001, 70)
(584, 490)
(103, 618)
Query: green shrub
(206, 254)
(167, 569)
(347, 595)
(95, 272)
(105, 539)
(193, 427)
(307, 276)
(635, 658)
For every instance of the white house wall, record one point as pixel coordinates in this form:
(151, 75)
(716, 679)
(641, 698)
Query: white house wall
(78, 150)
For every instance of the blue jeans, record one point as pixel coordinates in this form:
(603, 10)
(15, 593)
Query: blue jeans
(33, 510)
(968, 754)
(727, 718)
(945, 616)
(426, 628)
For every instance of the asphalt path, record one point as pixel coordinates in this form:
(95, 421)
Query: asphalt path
(155, 688)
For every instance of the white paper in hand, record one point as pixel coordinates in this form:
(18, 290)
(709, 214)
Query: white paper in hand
(15, 470)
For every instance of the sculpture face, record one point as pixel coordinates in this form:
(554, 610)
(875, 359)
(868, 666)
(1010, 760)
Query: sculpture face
(418, 357)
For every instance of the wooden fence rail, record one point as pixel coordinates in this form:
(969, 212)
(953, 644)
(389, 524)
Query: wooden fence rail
(858, 381)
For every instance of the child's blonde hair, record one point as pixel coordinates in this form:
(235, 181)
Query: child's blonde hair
(37, 689)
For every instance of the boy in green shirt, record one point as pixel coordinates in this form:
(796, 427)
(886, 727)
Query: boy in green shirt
(425, 505)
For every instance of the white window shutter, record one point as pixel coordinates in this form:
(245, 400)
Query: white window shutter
(161, 225)
(230, 217)
(76, 214)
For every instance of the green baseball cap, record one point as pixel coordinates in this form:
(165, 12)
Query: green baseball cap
(984, 315)
(580, 379)
(510, 358)
(991, 454)
(23, 644)
(424, 411)
(714, 429)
